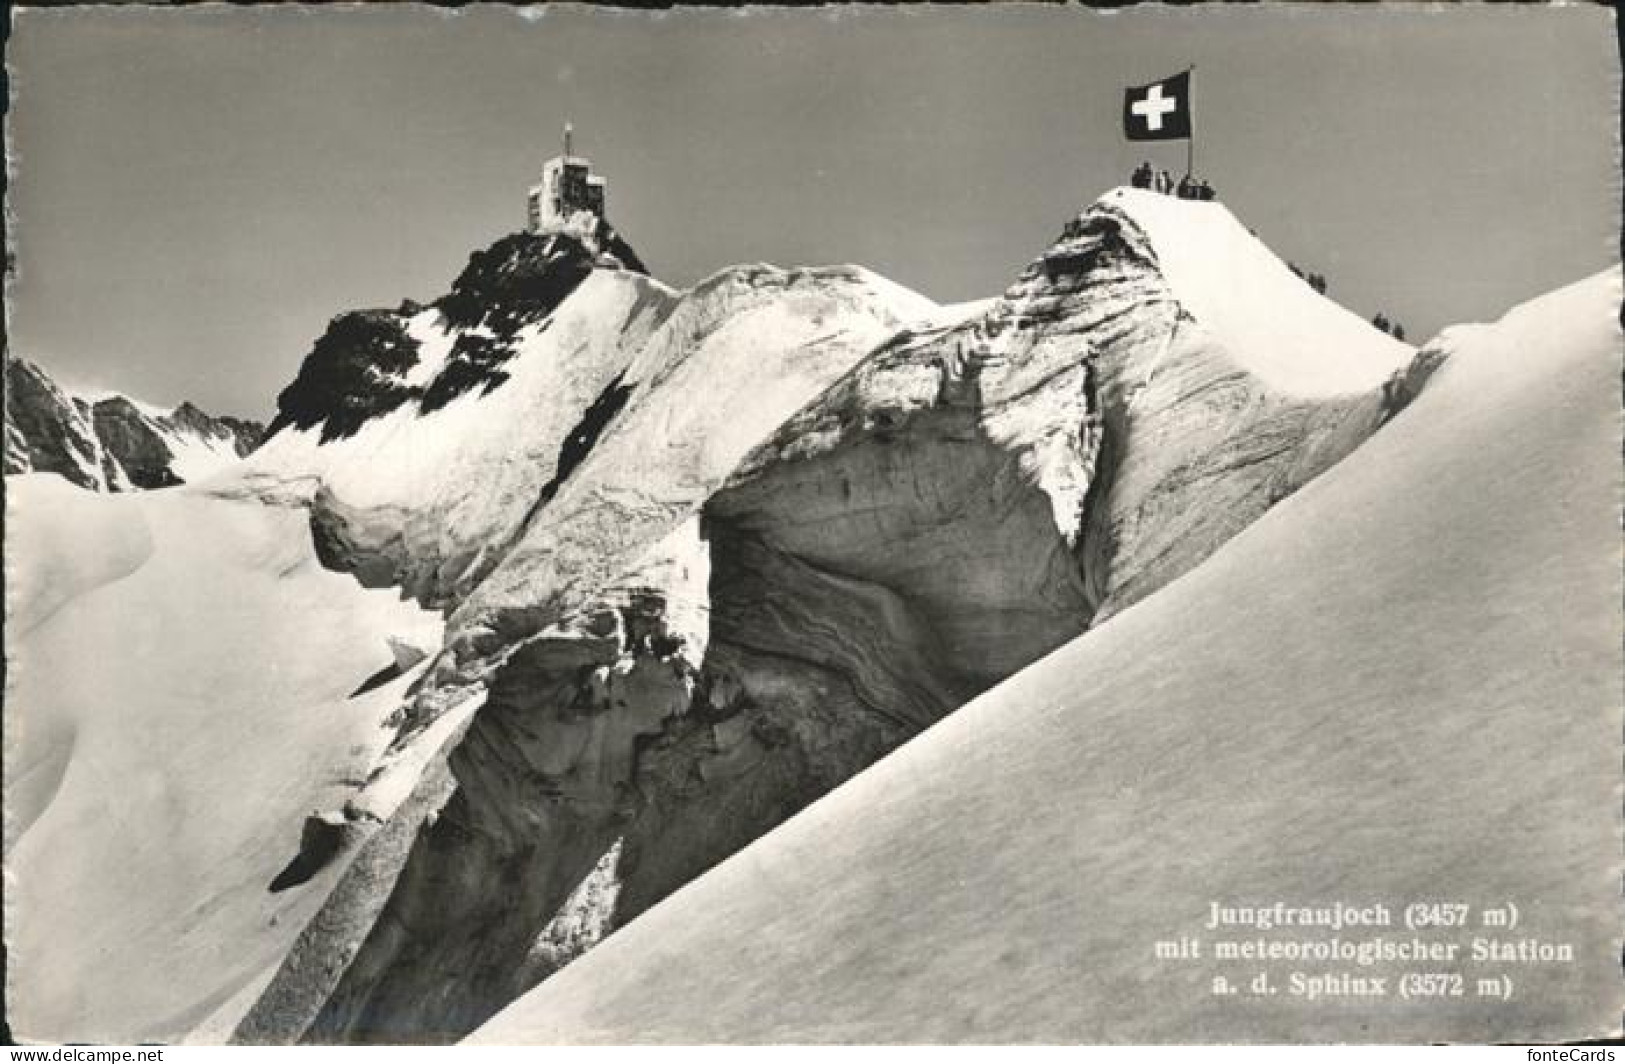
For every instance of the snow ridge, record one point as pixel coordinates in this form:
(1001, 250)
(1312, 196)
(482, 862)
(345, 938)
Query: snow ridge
(1246, 298)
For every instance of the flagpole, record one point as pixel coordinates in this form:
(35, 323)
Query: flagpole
(1190, 141)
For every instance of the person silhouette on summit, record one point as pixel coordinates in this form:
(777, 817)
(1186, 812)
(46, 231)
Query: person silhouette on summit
(1141, 178)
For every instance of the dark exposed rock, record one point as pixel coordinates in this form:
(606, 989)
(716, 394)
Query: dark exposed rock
(16, 451)
(407, 654)
(350, 376)
(1408, 383)
(475, 361)
(518, 280)
(134, 441)
(46, 431)
(143, 445)
(245, 435)
(547, 778)
(523, 277)
(580, 441)
(320, 840)
(355, 371)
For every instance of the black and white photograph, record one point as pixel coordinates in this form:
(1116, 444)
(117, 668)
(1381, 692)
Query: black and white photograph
(988, 524)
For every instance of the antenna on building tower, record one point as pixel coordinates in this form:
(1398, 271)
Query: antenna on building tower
(568, 129)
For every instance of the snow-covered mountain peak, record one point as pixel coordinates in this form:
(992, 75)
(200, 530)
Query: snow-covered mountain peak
(155, 448)
(97, 396)
(108, 441)
(1248, 300)
(371, 362)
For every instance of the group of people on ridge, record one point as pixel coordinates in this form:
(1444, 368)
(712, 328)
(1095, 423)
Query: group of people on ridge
(1308, 277)
(1190, 188)
(1162, 181)
(1318, 282)
(1392, 328)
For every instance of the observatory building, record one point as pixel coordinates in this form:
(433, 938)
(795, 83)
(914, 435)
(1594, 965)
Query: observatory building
(568, 185)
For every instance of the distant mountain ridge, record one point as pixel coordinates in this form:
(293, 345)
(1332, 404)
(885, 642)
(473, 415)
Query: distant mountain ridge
(113, 442)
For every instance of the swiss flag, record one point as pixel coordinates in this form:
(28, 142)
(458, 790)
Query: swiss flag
(1160, 110)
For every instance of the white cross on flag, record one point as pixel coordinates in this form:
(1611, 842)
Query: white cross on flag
(1160, 110)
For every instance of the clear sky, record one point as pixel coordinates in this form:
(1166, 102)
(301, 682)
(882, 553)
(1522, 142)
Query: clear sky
(198, 190)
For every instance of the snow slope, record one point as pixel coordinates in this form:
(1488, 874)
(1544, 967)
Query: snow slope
(179, 699)
(432, 500)
(80, 543)
(1402, 684)
(1240, 292)
(196, 457)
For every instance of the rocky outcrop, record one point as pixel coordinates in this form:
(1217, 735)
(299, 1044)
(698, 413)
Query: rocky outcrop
(421, 436)
(369, 362)
(45, 431)
(157, 450)
(431, 500)
(853, 512)
(406, 654)
(243, 434)
(113, 443)
(968, 500)
(132, 440)
(545, 782)
(523, 277)
(350, 376)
